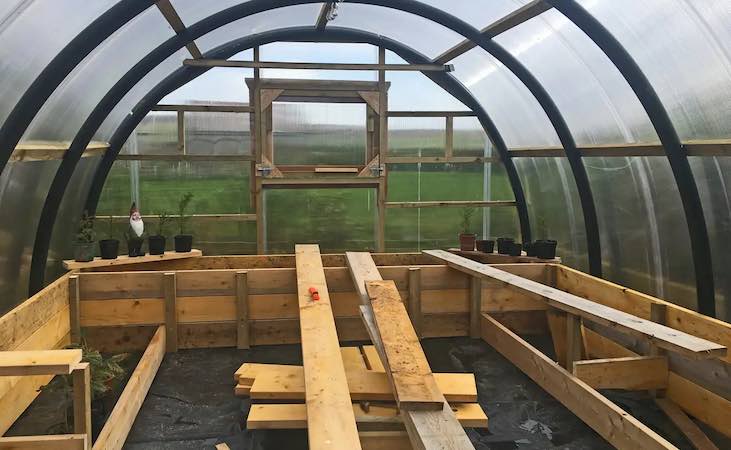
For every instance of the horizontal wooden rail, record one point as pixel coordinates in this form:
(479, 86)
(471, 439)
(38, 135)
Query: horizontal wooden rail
(317, 66)
(39, 362)
(721, 147)
(55, 442)
(52, 150)
(180, 157)
(452, 203)
(440, 159)
(201, 217)
(244, 108)
(431, 114)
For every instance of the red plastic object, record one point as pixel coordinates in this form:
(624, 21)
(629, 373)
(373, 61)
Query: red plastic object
(315, 295)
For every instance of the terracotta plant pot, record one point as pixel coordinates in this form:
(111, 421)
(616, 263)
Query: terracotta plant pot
(84, 251)
(183, 243)
(485, 245)
(467, 241)
(156, 245)
(504, 244)
(109, 248)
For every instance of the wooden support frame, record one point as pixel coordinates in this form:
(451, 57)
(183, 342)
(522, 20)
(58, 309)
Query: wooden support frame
(53, 150)
(452, 204)
(82, 401)
(55, 441)
(243, 331)
(172, 17)
(628, 373)
(213, 108)
(415, 299)
(171, 311)
(74, 317)
(318, 66)
(39, 362)
(475, 307)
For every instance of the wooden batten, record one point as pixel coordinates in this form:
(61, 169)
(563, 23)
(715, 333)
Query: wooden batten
(629, 373)
(55, 442)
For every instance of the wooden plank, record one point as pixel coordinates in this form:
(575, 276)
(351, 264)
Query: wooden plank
(287, 383)
(171, 312)
(413, 383)
(384, 440)
(52, 150)
(415, 299)
(239, 108)
(629, 373)
(431, 114)
(439, 160)
(294, 416)
(692, 432)
(352, 359)
(74, 317)
(373, 361)
(98, 262)
(316, 66)
(615, 425)
(557, 325)
(120, 421)
(55, 442)
(194, 158)
(82, 401)
(574, 341)
(336, 170)
(331, 423)
(172, 17)
(243, 332)
(39, 362)
(475, 307)
(451, 204)
(661, 335)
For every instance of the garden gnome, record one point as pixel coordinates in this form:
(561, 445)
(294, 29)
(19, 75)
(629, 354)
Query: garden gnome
(135, 221)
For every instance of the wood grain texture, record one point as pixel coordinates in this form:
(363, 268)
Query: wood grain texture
(82, 400)
(38, 362)
(55, 442)
(629, 373)
(692, 432)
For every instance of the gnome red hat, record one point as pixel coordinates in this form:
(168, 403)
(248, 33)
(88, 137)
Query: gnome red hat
(135, 220)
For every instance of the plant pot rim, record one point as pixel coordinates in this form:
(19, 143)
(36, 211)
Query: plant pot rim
(109, 240)
(468, 234)
(183, 235)
(157, 236)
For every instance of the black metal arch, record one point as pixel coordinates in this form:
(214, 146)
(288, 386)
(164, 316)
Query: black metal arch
(674, 150)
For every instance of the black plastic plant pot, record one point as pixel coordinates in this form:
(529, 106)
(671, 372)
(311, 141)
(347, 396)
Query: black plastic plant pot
(183, 243)
(530, 248)
(546, 249)
(84, 251)
(516, 248)
(134, 247)
(485, 245)
(156, 244)
(504, 244)
(109, 248)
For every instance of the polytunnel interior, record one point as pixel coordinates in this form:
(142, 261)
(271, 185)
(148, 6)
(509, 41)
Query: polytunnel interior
(385, 126)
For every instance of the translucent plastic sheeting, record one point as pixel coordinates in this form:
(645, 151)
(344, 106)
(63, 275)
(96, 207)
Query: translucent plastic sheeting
(414, 91)
(713, 175)
(593, 97)
(157, 134)
(469, 137)
(516, 113)
(684, 49)
(416, 136)
(32, 34)
(192, 11)
(218, 85)
(319, 133)
(477, 15)
(215, 133)
(644, 235)
(320, 52)
(554, 208)
(71, 103)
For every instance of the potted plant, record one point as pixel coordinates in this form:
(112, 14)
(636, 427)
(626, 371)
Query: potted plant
(467, 238)
(485, 245)
(156, 242)
(515, 249)
(85, 237)
(183, 242)
(504, 244)
(544, 248)
(135, 234)
(109, 247)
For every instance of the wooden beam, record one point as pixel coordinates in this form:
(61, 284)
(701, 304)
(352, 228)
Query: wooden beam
(415, 299)
(74, 318)
(515, 18)
(721, 147)
(330, 419)
(82, 401)
(614, 424)
(182, 157)
(324, 16)
(171, 311)
(198, 217)
(71, 264)
(53, 150)
(574, 341)
(317, 66)
(120, 421)
(629, 373)
(372, 360)
(661, 335)
(45, 442)
(294, 416)
(475, 307)
(451, 204)
(39, 362)
(439, 160)
(241, 108)
(692, 432)
(243, 331)
(431, 114)
(413, 383)
(171, 15)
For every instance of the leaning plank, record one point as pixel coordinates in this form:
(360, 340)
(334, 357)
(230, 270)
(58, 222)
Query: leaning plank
(39, 362)
(629, 373)
(427, 429)
(287, 382)
(294, 416)
(692, 432)
(330, 419)
(660, 335)
(372, 360)
(120, 421)
(413, 383)
(55, 442)
(610, 421)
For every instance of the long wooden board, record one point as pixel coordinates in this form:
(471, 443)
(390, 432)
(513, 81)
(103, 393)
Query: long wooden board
(39, 362)
(126, 260)
(616, 426)
(662, 336)
(294, 416)
(330, 418)
(629, 373)
(55, 442)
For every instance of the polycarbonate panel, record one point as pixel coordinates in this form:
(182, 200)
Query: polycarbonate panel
(32, 33)
(644, 235)
(319, 133)
(593, 97)
(157, 134)
(63, 114)
(469, 137)
(713, 175)
(337, 219)
(684, 48)
(414, 91)
(423, 35)
(554, 208)
(290, 16)
(516, 113)
(416, 136)
(218, 85)
(217, 133)
(478, 15)
(132, 98)
(318, 53)
(192, 11)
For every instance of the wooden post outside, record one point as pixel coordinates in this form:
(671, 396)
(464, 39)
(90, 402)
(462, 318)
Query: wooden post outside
(171, 314)
(181, 132)
(380, 231)
(475, 307)
(449, 137)
(242, 310)
(74, 312)
(415, 299)
(82, 401)
(573, 340)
